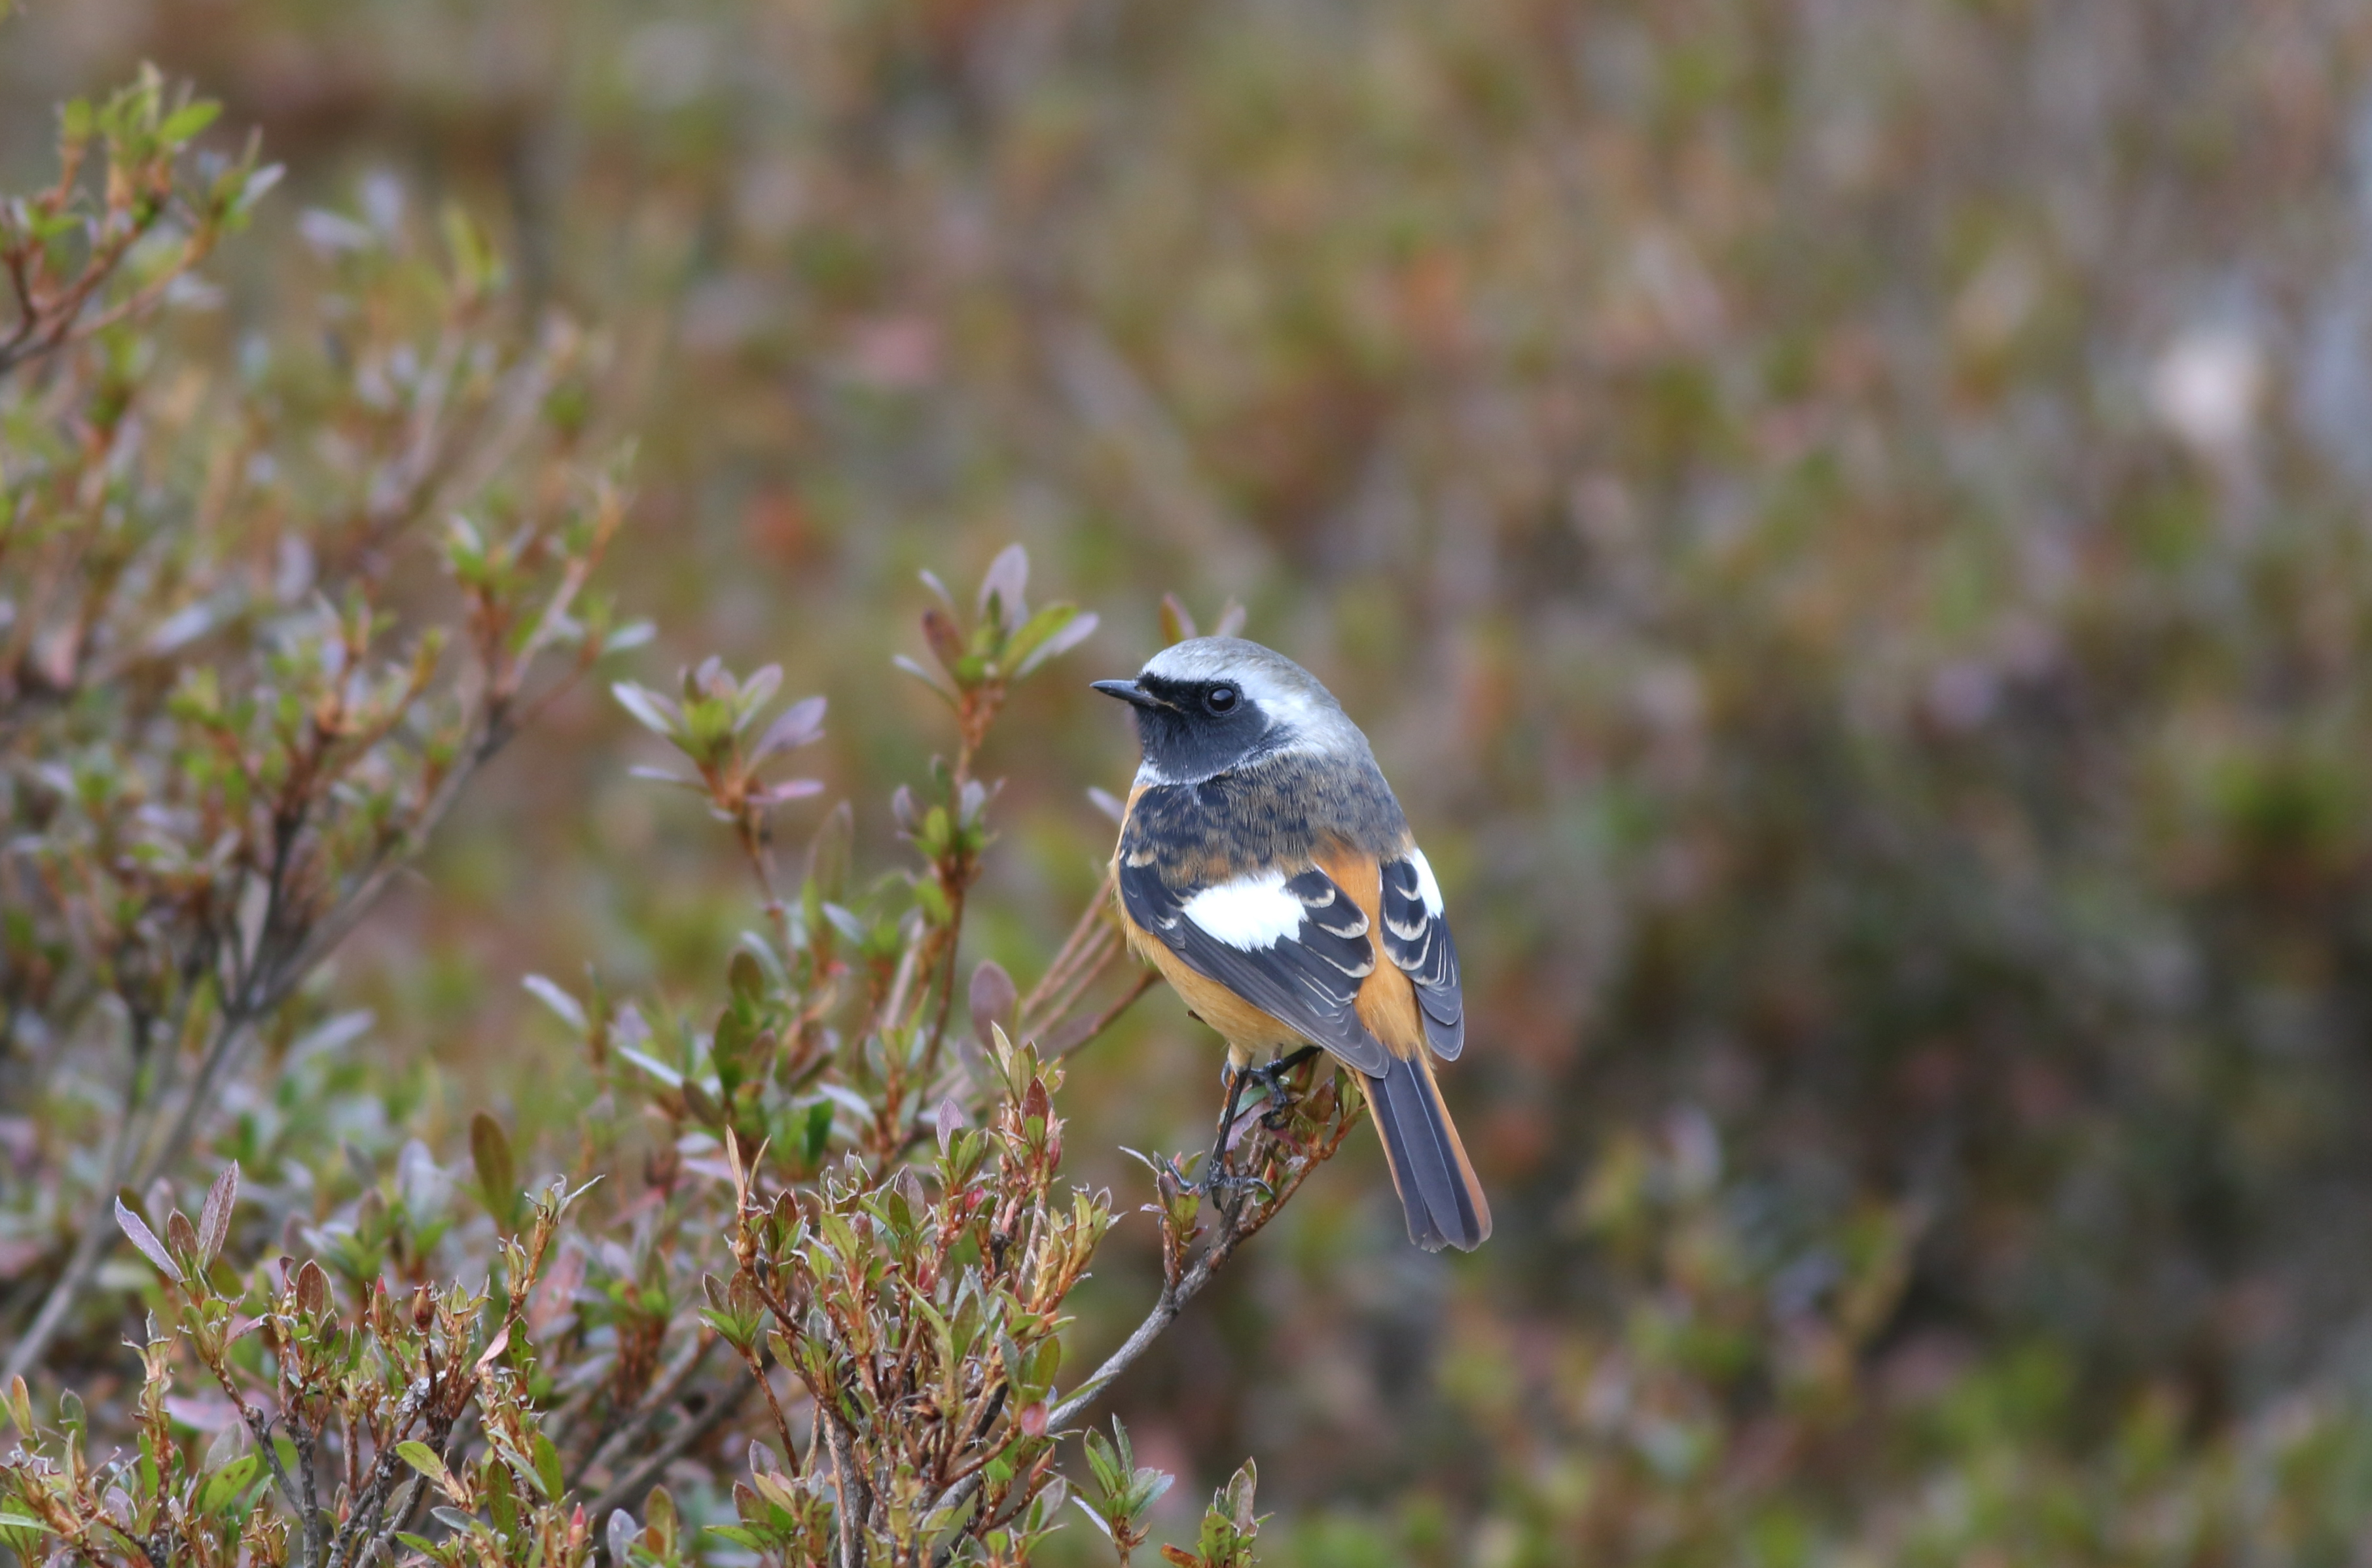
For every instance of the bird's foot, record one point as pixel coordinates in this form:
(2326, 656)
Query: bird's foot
(1219, 1180)
(1280, 1098)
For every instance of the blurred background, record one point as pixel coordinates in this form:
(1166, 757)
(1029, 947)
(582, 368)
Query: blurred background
(1847, 521)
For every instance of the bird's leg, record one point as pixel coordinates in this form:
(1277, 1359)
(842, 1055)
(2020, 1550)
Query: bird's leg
(1272, 1079)
(1216, 1174)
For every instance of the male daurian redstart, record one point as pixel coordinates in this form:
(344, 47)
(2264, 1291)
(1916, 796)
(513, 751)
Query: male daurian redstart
(1265, 868)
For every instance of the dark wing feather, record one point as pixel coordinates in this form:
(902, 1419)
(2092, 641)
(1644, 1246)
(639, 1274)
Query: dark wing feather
(1417, 940)
(1309, 980)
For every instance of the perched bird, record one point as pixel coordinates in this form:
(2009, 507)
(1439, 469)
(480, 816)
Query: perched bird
(1265, 868)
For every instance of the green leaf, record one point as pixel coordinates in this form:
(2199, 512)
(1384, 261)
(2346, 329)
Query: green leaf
(1055, 630)
(502, 1499)
(421, 1457)
(548, 1473)
(187, 122)
(748, 980)
(497, 1175)
(476, 263)
(21, 1522)
(225, 1485)
(738, 1535)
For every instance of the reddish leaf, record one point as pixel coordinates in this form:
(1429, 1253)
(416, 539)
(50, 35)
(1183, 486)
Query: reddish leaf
(312, 1288)
(947, 643)
(993, 997)
(213, 1220)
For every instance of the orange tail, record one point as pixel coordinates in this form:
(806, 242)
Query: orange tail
(1442, 1201)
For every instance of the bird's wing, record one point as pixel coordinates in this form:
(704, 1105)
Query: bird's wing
(1416, 939)
(1292, 944)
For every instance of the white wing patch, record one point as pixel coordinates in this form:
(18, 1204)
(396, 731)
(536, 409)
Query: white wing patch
(1426, 887)
(1247, 915)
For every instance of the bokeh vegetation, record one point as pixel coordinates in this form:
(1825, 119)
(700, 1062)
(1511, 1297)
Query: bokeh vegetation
(1845, 522)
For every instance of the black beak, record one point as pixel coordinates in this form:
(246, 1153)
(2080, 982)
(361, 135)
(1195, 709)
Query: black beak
(1129, 692)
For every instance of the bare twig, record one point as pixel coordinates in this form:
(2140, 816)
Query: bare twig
(851, 1490)
(1064, 1042)
(1093, 922)
(655, 1404)
(98, 1234)
(363, 1521)
(638, 1480)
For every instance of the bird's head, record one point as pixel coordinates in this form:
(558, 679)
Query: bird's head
(1209, 704)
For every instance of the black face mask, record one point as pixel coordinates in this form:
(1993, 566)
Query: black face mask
(1199, 727)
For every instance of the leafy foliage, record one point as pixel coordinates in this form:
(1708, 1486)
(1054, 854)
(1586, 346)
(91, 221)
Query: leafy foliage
(361, 1397)
(1844, 523)
(891, 1281)
(223, 732)
(215, 770)
(78, 261)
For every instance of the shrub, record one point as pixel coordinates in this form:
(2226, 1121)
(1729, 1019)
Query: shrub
(225, 727)
(823, 1213)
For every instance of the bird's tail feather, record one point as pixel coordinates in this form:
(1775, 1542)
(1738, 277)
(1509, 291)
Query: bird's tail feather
(1442, 1201)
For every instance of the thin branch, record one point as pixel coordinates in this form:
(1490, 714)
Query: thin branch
(757, 1366)
(1091, 920)
(1165, 1308)
(98, 1234)
(1064, 1042)
(272, 985)
(639, 1478)
(1238, 1223)
(306, 1441)
(363, 1521)
(850, 1492)
(660, 1400)
(262, 990)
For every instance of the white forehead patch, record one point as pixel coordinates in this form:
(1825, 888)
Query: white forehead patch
(1253, 913)
(1208, 658)
(1426, 887)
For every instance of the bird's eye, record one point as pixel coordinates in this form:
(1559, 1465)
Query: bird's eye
(1220, 699)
